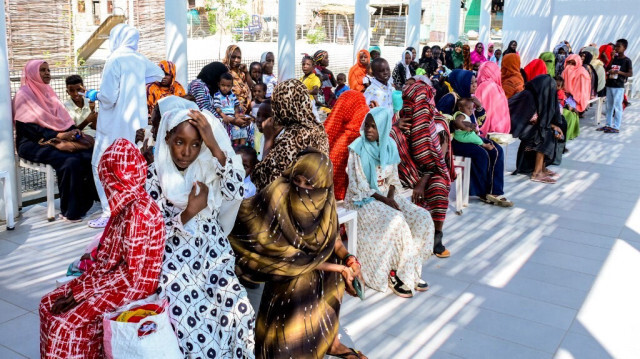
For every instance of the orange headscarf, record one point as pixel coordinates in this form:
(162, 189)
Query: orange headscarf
(466, 54)
(535, 68)
(577, 82)
(155, 91)
(512, 81)
(358, 72)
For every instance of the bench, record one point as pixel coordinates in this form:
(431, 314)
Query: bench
(50, 181)
(8, 199)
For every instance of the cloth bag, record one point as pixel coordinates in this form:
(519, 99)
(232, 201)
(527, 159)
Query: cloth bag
(153, 337)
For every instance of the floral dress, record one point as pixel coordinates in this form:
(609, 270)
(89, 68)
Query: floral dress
(208, 307)
(388, 239)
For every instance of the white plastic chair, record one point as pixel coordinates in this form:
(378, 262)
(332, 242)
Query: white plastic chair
(50, 183)
(462, 167)
(8, 199)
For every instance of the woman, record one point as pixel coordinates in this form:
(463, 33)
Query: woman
(242, 82)
(494, 100)
(550, 61)
(375, 52)
(457, 58)
(343, 127)
(436, 53)
(358, 72)
(487, 166)
(395, 236)
(598, 66)
(127, 267)
(477, 56)
(490, 51)
(414, 55)
(402, 72)
(42, 122)
(466, 54)
(427, 62)
(511, 49)
(512, 81)
(577, 82)
(167, 87)
(206, 85)
(286, 236)
(535, 68)
(293, 111)
(587, 58)
(195, 174)
(561, 51)
(536, 120)
(423, 166)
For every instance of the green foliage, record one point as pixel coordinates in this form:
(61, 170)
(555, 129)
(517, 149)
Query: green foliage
(212, 19)
(227, 14)
(316, 35)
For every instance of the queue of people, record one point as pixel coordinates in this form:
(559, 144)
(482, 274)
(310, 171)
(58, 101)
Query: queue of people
(237, 181)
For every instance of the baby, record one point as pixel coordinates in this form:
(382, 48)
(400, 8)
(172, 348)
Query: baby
(227, 106)
(465, 130)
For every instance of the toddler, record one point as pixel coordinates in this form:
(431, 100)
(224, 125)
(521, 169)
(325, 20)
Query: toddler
(342, 84)
(465, 130)
(249, 161)
(227, 107)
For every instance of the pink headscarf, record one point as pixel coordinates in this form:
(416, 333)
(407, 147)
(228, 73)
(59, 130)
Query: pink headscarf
(36, 102)
(477, 57)
(493, 99)
(577, 82)
(490, 53)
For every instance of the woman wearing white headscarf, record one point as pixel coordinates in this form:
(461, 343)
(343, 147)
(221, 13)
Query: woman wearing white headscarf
(123, 97)
(207, 305)
(403, 71)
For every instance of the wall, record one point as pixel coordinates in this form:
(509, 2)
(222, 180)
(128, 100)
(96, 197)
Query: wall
(529, 23)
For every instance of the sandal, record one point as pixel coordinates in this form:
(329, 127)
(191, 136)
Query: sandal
(348, 355)
(603, 128)
(543, 179)
(500, 200)
(552, 174)
(611, 130)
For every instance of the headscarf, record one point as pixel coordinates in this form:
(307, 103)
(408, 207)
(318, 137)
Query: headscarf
(375, 48)
(466, 53)
(382, 153)
(493, 99)
(210, 75)
(402, 62)
(319, 56)
(550, 61)
(535, 68)
(598, 66)
(123, 38)
(509, 50)
(156, 92)
(560, 57)
(172, 102)
(606, 55)
(460, 81)
(358, 72)
(490, 52)
(343, 127)
(36, 102)
(512, 81)
(457, 58)
(478, 58)
(588, 57)
(577, 82)
(177, 186)
(423, 57)
(263, 57)
(240, 87)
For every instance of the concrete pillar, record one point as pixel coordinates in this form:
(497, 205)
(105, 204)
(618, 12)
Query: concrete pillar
(175, 37)
(361, 24)
(104, 10)
(7, 159)
(454, 21)
(286, 39)
(485, 22)
(413, 24)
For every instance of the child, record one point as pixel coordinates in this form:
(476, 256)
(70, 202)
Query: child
(268, 60)
(227, 107)
(309, 78)
(379, 93)
(568, 108)
(342, 86)
(264, 113)
(617, 73)
(321, 62)
(496, 56)
(249, 161)
(258, 93)
(80, 109)
(255, 72)
(465, 129)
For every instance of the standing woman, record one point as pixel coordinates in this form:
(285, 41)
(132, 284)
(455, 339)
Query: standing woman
(167, 87)
(358, 72)
(512, 81)
(195, 173)
(242, 82)
(402, 72)
(494, 100)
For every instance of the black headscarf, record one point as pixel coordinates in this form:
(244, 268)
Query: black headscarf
(509, 50)
(424, 58)
(210, 75)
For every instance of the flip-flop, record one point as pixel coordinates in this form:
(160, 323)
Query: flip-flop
(545, 179)
(611, 130)
(603, 128)
(500, 200)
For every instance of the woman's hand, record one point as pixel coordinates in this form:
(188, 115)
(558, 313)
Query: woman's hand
(69, 135)
(388, 201)
(63, 304)
(404, 123)
(348, 275)
(557, 132)
(417, 196)
(241, 121)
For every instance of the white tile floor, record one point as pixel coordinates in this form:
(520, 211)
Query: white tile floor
(553, 277)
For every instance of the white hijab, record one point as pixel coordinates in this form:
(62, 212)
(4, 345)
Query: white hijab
(407, 71)
(177, 186)
(123, 37)
(173, 102)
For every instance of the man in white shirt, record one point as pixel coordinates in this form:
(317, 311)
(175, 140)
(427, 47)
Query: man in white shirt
(80, 109)
(380, 92)
(123, 100)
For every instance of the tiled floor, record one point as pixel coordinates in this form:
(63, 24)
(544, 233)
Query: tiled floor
(553, 277)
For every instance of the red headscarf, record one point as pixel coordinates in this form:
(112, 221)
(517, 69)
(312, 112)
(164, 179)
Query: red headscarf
(606, 54)
(155, 92)
(577, 82)
(358, 72)
(535, 68)
(36, 102)
(493, 99)
(512, 81)
(343, 127)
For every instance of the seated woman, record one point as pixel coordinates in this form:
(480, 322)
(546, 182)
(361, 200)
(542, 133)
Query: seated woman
(487, 166)
(577, 82)
(403, 70)
(536, 120)
(195, 174)
(395, 236)
(167, 87)
(126, 269)
(45, 133)
(492, 97)
(512, 80)
(286, 236)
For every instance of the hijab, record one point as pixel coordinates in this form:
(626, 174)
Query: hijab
(375, 48)
(490, 52)
(382, 153)
(155, 91)
(170, 103)
(577, 82)
(210, 75)
(403, 62)
(535, 68)
(550, 61)
(457, 57)
(123, 38)
(476, 57)
(460, 81)
(424, 58)
(509, 50)
(493, 99)
(606, 55)
(588, 57)
(36, 102)
(560, 57)
(512, 81)
(358, 72)
(263, 57)
(466, 53)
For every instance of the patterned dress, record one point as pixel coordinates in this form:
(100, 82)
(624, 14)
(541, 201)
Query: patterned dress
(208, 307)
(388, 239)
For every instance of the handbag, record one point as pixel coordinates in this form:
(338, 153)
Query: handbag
(85, 142)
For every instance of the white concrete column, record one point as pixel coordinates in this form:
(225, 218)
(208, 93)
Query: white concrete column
(413, 25)
(104, 9)
(454, 21)
(361, 24)
(485, 22)
(7, 159)
(286, 39)
(175, 37)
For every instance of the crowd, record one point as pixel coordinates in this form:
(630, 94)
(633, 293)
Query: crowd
(234, 180)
